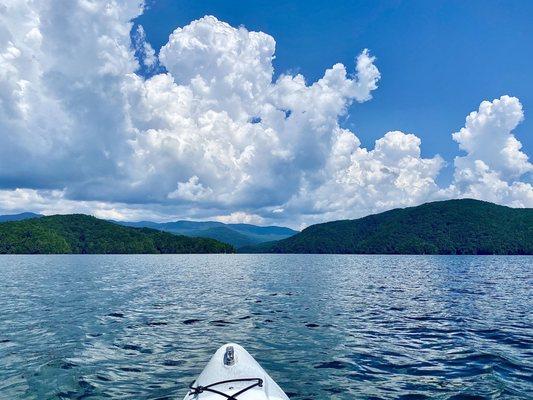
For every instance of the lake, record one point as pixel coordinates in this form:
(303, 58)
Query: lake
(323, 326)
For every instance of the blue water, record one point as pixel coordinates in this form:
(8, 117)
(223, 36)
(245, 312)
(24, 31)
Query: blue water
(324, 326)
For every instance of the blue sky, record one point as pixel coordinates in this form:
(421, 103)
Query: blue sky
(438, 59)
(267, 112)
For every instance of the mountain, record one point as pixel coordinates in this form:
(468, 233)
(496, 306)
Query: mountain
(19, 217)
(226, 235)
(237, 235)
(445, 227)
(83, 234)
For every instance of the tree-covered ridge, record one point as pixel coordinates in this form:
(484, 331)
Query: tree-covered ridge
(83, 234)
(446, 227)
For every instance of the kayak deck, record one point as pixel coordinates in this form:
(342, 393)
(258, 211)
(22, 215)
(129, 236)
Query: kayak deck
(232, 371)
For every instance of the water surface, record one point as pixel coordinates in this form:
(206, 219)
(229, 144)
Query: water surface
(324, 326)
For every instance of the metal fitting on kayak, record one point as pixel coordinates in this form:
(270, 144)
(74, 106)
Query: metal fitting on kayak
(229, 356)
(233, 374)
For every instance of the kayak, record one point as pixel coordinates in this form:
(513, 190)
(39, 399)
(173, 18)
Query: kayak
(233, 374)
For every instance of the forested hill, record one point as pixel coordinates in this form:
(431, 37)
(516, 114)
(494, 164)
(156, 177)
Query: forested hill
(445, 227)
(83, 234)
(237, 235)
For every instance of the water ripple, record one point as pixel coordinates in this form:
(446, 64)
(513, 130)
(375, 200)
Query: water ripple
(325, 326)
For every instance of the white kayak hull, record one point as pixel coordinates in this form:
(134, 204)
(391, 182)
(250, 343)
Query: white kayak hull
(233, 363)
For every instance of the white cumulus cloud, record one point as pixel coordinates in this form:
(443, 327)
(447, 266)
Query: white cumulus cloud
(222, 130)
(493, 163)
(357, 181)
(213, 135)
(487, 136)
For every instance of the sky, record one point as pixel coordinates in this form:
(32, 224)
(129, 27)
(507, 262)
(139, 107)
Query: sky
(268, 112)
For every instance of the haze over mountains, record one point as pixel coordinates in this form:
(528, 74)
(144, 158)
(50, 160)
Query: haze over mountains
(18, 217)
(238, 235)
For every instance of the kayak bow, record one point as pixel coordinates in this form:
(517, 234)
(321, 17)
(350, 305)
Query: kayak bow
(233, 374)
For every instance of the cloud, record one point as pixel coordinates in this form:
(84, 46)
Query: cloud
(493, 163)
(54, 202)
(210, 134)
(192, 190)
(240, 217)
(62, 66)
(222, 131)
(144, 50)
(357, 181)
(487, 136)
(50, 202)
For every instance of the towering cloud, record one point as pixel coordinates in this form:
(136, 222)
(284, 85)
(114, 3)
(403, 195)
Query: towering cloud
(493, 164)
(62, 111)
(212, 134)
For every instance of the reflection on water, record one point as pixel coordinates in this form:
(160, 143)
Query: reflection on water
(324, 326)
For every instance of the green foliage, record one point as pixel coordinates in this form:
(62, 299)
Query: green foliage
(82, 234)
(446, 227)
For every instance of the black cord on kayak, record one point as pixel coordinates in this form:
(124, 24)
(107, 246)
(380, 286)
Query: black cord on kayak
(209, 388)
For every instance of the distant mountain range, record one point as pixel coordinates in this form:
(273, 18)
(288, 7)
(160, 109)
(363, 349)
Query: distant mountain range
(18, 217)
(83, 234)
(238, 235)
(446, 227)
